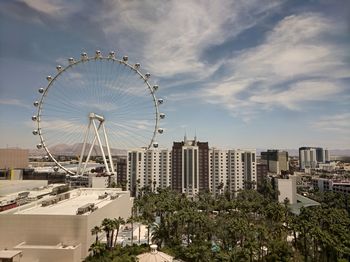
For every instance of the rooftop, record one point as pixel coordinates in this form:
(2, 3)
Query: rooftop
(35, 189)
(8, 254)
(75, 199)
(302, 202)
(154, 256)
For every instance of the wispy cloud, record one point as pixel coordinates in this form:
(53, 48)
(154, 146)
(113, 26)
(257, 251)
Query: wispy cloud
(172, 35)
(296, 63)
(297, 93)
(45, 6)
(14, 102)
(334, 123)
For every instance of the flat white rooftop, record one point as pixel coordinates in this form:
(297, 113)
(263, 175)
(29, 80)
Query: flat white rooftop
(42, 188)
(14, 186)
(8, 254)
(78, 198)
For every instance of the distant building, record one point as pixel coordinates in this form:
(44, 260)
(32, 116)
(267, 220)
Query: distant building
(275, 160)
(13, 158)
(310, 157)
(122, 171)
(261, 174)
(190, 166)
(331, 185)
(148, 168)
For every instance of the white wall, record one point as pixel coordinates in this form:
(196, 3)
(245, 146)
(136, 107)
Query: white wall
(287, 189)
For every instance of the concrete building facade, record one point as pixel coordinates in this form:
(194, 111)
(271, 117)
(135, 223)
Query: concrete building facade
(232, 170)
(275, 160)
(218, 170)
(287, 188)
(150, 168)
(190, 166)
(331, 185)
(53, 229)
(13, 158)
(310, 157)
(261, 174)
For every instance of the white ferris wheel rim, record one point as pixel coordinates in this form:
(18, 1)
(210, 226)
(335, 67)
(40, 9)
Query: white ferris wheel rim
(84, 59)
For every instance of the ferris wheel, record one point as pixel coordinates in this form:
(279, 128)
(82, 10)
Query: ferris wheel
(97, 106)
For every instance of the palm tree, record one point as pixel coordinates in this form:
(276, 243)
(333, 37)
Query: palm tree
(95, 231)
(131, 221)
(118, 222)
(97, 249)
(107, 226)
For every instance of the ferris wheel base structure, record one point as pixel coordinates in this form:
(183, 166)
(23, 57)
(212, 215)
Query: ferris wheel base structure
(96, 131)
(90, 93)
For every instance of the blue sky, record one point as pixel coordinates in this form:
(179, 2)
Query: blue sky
(239, 73)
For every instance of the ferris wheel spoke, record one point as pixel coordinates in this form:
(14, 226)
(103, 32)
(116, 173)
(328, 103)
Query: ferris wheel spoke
(63, 136)
(124, 134)
(131, 128)
(140, 110)
(124, 86)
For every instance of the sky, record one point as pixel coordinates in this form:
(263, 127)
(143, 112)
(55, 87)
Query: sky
(236, 73)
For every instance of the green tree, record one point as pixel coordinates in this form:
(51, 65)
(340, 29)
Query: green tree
(95, 231)
(118, 222)
(108, 226)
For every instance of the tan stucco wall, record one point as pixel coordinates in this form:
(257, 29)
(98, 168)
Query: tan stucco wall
(44, 254)
(13, 158)
(54, 229)
(41, 229)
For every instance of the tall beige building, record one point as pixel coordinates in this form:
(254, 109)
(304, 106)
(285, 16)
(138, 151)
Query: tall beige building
(150, 167)
(232, 170)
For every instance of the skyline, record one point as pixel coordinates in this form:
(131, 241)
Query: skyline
(238, 74)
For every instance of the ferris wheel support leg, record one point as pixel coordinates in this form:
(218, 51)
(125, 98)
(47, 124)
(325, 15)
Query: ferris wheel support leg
(89, 155)
(108, 149)
(83, 149)
(101, 147)
(90, 150)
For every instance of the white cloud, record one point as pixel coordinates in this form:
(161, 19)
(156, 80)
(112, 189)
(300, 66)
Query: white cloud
(171, 35)
(293, 65)
(45, 6)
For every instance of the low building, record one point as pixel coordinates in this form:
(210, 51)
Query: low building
(331, 185)
(287, 188)
(58, 228)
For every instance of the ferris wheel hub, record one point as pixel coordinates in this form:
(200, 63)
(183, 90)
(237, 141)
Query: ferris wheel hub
(97, 117)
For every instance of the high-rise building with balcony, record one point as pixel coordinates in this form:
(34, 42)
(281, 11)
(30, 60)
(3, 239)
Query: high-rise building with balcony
(190, 166)
(218, 163)
(232, 170)
(148, 168)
